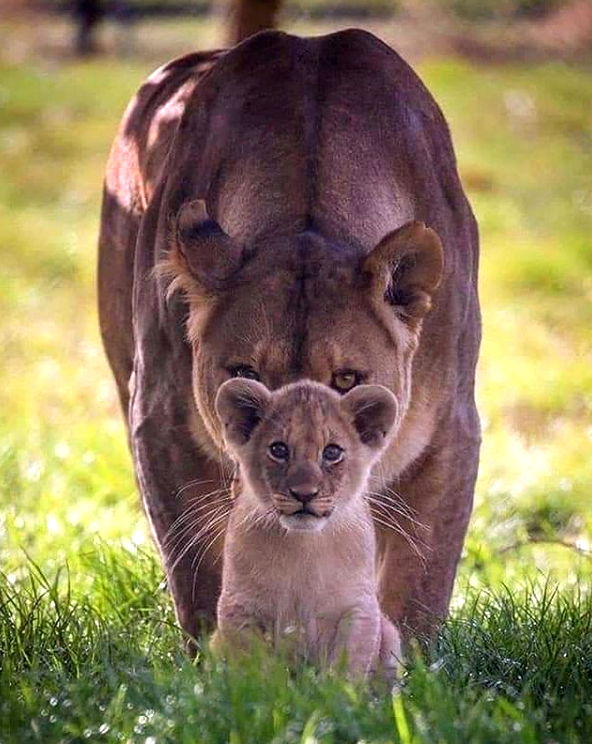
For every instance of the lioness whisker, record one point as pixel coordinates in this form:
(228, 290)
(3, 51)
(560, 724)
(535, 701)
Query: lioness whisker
(384, 515)
(217, 535)
(389, 492)
(191, 544)
(221, 514)
(177, 538)
(400, 506)
(393, 515)
(397, 529)
(187, 514)
(380, 511)
(198, 496)
(193, 507)
(193, 500)
(388, 507)
(189, 484)
(220, 510)
(205, 494)
(386, 488)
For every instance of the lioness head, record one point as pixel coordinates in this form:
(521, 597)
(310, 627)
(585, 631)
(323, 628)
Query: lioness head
(304, 451)
(295, 305)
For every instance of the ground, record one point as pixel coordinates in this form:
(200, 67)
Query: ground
(88, 647)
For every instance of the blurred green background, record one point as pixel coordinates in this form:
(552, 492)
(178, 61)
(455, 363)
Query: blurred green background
(522, 132)
(521, 120)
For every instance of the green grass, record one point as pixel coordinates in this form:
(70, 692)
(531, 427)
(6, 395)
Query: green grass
(88, 647)
(105, 664)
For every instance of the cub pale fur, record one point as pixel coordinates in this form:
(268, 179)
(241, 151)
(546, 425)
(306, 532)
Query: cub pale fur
(300, 547)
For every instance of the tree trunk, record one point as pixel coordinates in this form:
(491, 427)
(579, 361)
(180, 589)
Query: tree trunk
(87, 15)
(246, 17)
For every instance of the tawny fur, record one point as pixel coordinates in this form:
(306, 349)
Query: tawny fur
(306, 580)
(308, 154)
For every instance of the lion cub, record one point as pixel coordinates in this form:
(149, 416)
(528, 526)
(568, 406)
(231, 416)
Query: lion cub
(299, 554)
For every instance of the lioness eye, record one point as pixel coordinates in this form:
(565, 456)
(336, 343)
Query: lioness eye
(345, 380)
(332, 453)
(244, 370)
(279, 451)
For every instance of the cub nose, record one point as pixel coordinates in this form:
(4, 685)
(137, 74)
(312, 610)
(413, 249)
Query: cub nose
(304, 494)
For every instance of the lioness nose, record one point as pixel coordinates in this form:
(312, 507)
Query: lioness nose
(304, 494)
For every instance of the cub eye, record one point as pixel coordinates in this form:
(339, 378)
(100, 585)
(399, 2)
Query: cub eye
(279, 451)
(345, 380)
(244, 370)
(333, 453)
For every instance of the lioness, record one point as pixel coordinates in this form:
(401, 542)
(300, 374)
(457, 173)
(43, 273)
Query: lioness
(300, 548)
(286, 183)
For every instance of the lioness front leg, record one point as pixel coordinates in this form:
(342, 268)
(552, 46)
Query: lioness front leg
(416, 574)
(182, 488)
(358, 640)
(182, 492)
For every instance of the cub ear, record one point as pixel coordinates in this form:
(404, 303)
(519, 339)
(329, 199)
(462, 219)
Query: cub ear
(240, 405)
(406, 268)
(202, 256)
(373, 412)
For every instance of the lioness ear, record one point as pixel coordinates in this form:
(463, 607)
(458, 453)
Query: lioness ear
(373, 412)
(202, 251)
(240, 405)
(406, 268)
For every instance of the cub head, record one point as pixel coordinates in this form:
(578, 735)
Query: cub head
(289, 305)
(304, 451)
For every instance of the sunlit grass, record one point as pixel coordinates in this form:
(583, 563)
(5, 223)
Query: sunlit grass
(512, 668)
(97, 657)
(525, 156)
